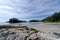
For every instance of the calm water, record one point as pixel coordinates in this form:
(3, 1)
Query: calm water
(50, 27)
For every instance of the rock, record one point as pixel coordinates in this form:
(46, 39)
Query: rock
(57, 34)
(25, 33)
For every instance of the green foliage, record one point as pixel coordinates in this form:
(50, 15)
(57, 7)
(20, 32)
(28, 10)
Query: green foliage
(54, 18)
(34, 21)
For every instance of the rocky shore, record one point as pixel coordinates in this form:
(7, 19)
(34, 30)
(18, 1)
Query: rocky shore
(8, 32)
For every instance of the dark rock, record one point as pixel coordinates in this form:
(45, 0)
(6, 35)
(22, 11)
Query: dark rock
(13, 33)
(57, 34)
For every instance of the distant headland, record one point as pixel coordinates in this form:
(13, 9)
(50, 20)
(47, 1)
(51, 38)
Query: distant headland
(54, 18)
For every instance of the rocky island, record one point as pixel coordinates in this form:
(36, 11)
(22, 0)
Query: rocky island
(15, 20)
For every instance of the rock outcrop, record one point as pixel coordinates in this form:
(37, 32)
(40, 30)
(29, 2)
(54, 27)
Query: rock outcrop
(23, 33)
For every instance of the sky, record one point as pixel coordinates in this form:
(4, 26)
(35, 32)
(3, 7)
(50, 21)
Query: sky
(28, 9)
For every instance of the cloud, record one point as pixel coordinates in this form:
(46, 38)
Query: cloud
(3, 0)
(41, 7)
(28, 9)
(6, 7)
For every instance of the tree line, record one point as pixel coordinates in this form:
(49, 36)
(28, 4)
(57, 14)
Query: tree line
(54, 18)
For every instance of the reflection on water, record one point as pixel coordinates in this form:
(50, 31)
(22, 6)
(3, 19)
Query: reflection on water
(55, 27)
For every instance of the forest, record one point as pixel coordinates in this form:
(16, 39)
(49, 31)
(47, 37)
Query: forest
(54, 18)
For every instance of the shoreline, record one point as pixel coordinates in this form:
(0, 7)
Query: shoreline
(29, 33)
(23, 27)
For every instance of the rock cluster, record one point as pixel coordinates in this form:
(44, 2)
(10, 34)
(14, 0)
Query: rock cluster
(22, 33)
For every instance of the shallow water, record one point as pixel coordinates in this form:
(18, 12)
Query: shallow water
(50, 27)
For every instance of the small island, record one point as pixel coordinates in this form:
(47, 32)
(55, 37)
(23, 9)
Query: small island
(34, 21)
(15, 20)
